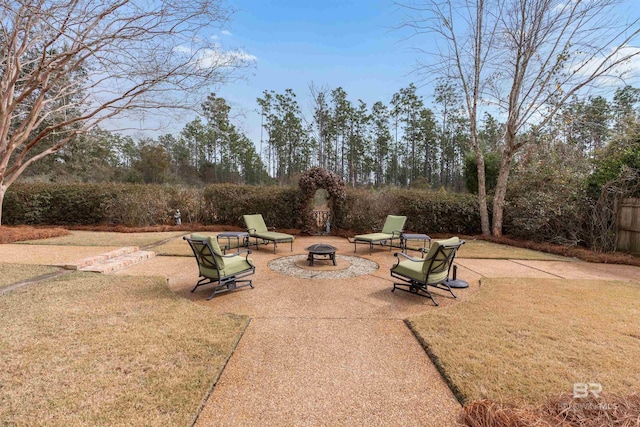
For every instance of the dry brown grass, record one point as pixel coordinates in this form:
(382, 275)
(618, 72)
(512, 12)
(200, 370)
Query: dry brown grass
(25, 232)
(561, 411)
(522, 340)
(104, 238)
(568, 251)
(13, 273)
(91, 349)
(174, 247)
(482, 249)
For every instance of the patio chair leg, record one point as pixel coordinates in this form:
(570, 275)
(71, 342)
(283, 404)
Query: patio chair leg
(203, 281)
(416, 289)
(229, 286)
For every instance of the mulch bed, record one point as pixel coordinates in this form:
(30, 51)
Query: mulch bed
(564, 411)
(25, 232)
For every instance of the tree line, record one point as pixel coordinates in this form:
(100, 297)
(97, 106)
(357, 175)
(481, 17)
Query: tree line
(401, 143)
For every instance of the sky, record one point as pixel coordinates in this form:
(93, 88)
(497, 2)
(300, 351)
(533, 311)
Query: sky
(333, 43)
(354, 44)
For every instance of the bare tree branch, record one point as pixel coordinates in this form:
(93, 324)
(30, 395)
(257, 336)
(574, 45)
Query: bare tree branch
(66, 66)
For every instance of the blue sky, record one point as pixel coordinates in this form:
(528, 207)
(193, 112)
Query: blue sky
(347, 43)
(353, 44)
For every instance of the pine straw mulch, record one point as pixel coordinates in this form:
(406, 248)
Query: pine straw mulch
(21, 233)
(562, 411)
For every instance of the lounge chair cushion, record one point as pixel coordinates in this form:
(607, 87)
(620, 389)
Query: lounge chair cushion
(272, 235)
(373, 237)
(255, 224)
(393, 223)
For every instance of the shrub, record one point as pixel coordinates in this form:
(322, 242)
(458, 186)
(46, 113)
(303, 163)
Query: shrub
(427, 211)
(65, 204)
(279, 206)
(90, 204)
(282, 207)
(546, 201)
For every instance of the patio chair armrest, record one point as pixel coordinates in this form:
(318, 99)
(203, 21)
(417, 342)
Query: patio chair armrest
(271, 228)
(251, 231)
(396, 233)
(410, 258)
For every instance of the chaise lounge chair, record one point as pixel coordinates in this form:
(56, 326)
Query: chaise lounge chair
(214, 267)
(257, 228)
(418, 273)
(391, 230)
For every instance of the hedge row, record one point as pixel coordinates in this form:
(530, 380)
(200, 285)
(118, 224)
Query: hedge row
(143, 205)
(90, 204)
(426, 211)
(279, 206)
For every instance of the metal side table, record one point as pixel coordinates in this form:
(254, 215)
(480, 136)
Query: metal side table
(242, 239)
(404, 238)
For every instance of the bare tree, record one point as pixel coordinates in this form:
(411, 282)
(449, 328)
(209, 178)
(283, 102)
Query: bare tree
(68, 65)
(524, 58)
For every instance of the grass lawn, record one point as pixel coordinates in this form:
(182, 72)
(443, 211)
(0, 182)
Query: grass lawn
(103, 238)
(88, 349)
(529, 339)
(13, 273)
(488, 250)
(175, 247)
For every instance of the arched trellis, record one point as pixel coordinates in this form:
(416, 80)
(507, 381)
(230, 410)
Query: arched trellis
(311, 181)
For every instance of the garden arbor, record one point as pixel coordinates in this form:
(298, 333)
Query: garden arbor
(313, 180)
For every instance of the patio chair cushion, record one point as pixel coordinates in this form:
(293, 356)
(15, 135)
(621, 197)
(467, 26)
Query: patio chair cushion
(416, 268)
(213, 243)
(232, 265)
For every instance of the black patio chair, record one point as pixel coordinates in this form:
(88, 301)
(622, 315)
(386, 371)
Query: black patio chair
(215, 267)
(417, 274)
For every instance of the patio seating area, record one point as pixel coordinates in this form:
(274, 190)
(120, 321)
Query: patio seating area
(332, 336)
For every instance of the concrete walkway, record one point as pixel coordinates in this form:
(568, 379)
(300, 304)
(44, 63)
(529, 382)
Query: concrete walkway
(337, 352)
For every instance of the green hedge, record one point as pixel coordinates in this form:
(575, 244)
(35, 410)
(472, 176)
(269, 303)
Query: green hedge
(279, 206)
(426, 211)
(90, 204)
(142, 205)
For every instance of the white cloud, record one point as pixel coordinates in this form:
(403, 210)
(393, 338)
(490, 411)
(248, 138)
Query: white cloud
(626, 60)
(215, 57)
(225, 33)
